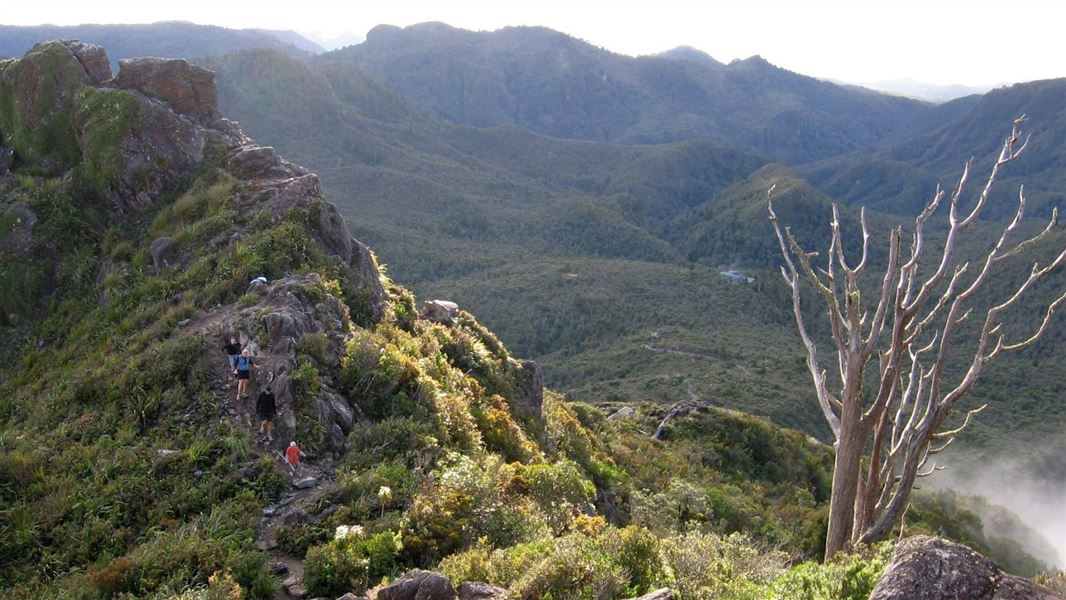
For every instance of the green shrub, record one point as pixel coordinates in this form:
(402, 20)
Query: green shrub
(351, 562)
(559, 490)
(678, 508)
(849, 576)
(469, 500)
(615, 564)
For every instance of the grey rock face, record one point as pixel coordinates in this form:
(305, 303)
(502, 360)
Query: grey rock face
(419, 585)
(165, 254)
(93, 59)
(476, 590)
(440, 311)
(660, 594)
(529, 390)
(188, 89)
(929, 568)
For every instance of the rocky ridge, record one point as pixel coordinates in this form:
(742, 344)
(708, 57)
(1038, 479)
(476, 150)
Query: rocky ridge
(142, 133)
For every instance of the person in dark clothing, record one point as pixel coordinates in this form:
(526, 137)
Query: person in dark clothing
(265, 408)
(232, 350)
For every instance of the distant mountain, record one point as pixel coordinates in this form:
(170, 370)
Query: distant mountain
(926, 91)
(691, 54)
(560, 86)
(166, 39)
(295, 39)
(901, 178)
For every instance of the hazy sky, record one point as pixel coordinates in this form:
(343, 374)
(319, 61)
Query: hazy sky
(976, 42)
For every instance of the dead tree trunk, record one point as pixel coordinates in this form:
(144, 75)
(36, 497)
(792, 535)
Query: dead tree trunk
(884, 442)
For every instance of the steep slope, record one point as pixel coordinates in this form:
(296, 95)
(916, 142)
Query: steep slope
(557, 85)
(167, 39)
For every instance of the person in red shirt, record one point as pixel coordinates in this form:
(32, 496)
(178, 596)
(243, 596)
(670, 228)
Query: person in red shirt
(293, 455)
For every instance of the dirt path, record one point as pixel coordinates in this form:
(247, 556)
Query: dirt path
(290, 506)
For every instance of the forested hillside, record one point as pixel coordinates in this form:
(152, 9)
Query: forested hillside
(560, 86)
(594, 241)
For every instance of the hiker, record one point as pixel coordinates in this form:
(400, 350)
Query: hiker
(265, 408)
(242, 368)
(292, 455)
(232, 350)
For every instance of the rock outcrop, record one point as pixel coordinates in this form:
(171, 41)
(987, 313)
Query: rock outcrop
(660, 594)
(440, 311)
(929, 568)
(476, 590)
(132, 138)
(529, 391)
(418, 585)
(188, 89)
(287, 311)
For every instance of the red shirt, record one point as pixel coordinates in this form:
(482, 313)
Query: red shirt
(292, 454)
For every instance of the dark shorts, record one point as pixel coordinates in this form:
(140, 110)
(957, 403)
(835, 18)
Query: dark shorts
(244, 374)
(266, 416)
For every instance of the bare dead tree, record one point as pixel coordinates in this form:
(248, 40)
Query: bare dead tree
(884, 439)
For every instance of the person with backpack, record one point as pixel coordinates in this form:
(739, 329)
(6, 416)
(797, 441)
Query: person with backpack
(243, 370)
(265, 409)
(232, 350)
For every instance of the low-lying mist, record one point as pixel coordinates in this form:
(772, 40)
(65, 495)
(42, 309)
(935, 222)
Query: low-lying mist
(1030, 485)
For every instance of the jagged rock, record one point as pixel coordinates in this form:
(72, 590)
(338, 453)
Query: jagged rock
(351, 596)
(43, 85)
(93, 59)
(305, 483)
(188, 89)
(156, 146)
(476, 590)
(165, 453)
(21, 220)
(295, 589)
(7, 158)
(929, 568)
(529, 390)
(279, 568)
(622, 413)
(660, 594)
(419, 585)
(165, 253)
(440, 311)
(296, 515)
(260, 162)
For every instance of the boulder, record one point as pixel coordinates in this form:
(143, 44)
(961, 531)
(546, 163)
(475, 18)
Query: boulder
(43, 86)
(476, 590)
(305, 483)
(930, 568)
(294, 515)
(93, 59)
(660, 594)
(165, 253)
(188, 89)
(351, 596)
(419, 585)
(134, 148)
(622, 413)
(440, 311)
(259, 162)
(7, 158)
